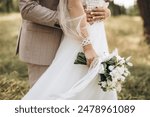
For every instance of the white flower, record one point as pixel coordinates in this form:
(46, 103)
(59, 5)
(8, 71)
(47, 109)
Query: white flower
(111, 68)
(122, 61)
(120, 70)
(114, 71)
(114, 79)
(111, 84)
(119, 58)
(122, 78)
(118, 87)
(126, 74)
(127, 59)
(103, 84)
(111, 74)
(101, 69)
(115, 74)
(130, 64)
(125, 69)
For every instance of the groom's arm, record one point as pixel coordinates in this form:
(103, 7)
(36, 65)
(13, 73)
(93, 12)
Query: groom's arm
(31, 10)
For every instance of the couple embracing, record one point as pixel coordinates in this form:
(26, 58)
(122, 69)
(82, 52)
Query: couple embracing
(53, 32)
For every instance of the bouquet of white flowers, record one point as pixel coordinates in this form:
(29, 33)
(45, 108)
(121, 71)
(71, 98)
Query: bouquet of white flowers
(113, 70)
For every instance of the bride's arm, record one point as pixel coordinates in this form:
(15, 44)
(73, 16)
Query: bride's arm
(75, 8)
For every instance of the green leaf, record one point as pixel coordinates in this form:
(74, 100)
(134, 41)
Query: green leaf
(81, 59)
(102, 78)
(109, 78)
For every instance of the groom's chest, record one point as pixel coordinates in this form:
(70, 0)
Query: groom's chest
(51, 4)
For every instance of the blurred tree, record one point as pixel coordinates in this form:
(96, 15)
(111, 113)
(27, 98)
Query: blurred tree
(144, 6)
(116, 9)
(133, 10)
(8, 5)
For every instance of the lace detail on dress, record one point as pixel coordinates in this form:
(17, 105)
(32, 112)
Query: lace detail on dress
(91, 4)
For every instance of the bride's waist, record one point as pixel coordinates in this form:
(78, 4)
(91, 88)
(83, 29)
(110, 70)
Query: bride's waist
(98, 24)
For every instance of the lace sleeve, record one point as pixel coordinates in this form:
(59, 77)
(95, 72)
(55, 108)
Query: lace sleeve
(73, 19)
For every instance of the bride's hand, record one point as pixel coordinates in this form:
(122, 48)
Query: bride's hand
(89, 53)
(97, 14)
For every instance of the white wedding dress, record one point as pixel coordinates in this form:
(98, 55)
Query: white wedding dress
(65, 80)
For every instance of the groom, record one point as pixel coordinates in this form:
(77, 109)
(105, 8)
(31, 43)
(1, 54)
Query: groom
(40, 34)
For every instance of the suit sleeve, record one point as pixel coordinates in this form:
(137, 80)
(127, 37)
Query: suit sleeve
(31, 10)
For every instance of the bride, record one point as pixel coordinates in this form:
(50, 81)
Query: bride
(65, 80)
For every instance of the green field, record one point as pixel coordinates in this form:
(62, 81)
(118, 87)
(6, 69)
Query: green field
(123, 32)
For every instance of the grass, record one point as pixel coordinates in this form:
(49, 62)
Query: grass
(123, 32)
(13, 73)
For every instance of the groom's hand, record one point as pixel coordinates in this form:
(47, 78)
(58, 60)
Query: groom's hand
(98, 14)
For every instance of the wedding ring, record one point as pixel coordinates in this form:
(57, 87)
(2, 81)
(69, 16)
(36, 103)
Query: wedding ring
(103, 17)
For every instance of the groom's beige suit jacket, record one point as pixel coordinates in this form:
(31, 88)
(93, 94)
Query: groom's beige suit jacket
(38, 41)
